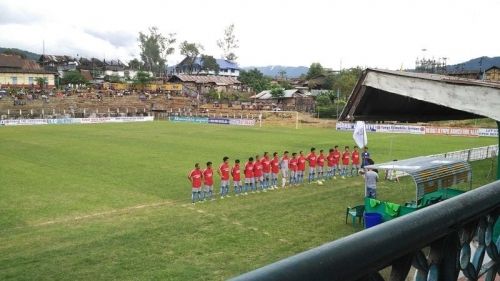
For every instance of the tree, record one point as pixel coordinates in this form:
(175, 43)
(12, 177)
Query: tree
(41, 82)
(14, 52)
(209, 63)
(74, 77)
(112, 78)
(346, 80)
(142, 78)
(134, 64)
(229, 43)
(191, 51)
(254, 79)
(155, 49)
(315, 70)
(277, 92)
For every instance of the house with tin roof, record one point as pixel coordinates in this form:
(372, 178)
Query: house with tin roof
(226, 67)
(16, 72)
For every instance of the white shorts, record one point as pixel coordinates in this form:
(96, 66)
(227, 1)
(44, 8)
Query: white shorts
(267, 175)
(274, 176)
(335, 166)
(224, 182)
(357, 166)
(195, 189)
(319, 169)
(293, 174)
(261, 178)
(249, 180)
(312, 170)
(236, 183)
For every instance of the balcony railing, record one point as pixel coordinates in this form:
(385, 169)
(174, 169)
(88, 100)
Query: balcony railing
(434, 242)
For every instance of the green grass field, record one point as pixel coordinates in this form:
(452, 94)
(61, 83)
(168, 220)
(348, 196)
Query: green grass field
(112, 202)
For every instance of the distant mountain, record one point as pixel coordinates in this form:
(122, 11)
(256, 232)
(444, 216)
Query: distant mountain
(274, 70)
(29, 55)
(482, 63)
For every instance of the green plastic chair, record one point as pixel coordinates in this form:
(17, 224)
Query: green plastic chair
(355, 212)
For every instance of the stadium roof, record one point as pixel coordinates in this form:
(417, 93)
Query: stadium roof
(384, 95)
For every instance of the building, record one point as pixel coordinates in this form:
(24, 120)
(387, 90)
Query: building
(294, 99)
(22, 73)
(114, 68)
(59, 64)
(204, 83)
(492, 74)
(226, 68)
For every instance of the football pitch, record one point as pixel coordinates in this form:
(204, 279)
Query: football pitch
(112, 202)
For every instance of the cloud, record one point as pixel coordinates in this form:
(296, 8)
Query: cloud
(115, 38)
(11, 15)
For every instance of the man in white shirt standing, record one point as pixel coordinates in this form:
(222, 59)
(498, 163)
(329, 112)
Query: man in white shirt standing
(371, 179)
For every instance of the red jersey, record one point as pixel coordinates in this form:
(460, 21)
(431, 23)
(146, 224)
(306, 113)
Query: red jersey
(257, 169)
(224, 171)
(321, 160)
(330, 159)
(196, 175)
(346, 156)
(266, 165)
(208, 176)
(249, 170)
(312, 159)
(355, 158)
(275, 165)
(235, 172)
(336, 157)
(301, 163)
(293, 164)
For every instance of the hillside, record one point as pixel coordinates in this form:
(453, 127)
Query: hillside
(274, 70)
(482, 63)
(29, 55)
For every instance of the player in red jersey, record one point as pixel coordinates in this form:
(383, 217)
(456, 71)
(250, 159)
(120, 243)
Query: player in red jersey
(275, 169)
(258, 175)
(195, 177)
(208, 182)
(356, 163)
(301, 167)
(346, 158)
(320, 164)
(329, 164)
(249, 176)
(224, 177)
(235, 173)
(312, 158)
(336, 161)
(266, 169)
(293, 166)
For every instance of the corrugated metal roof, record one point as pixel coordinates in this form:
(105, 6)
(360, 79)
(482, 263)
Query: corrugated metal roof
(208, 79)
(223, 64)
(292, 93)
(385, 95)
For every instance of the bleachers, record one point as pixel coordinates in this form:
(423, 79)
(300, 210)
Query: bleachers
(77, 105)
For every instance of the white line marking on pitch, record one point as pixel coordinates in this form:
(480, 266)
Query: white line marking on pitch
(105, 213)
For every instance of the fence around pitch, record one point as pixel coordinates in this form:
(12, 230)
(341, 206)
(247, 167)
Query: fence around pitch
(469, 155)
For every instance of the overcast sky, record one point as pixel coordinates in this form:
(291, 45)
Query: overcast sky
(368, 33)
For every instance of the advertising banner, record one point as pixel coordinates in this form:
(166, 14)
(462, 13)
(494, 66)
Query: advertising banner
(189, 119)
(15, 122)
(488, 132)
(452, 131)
(242, 122)
(222, 121)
